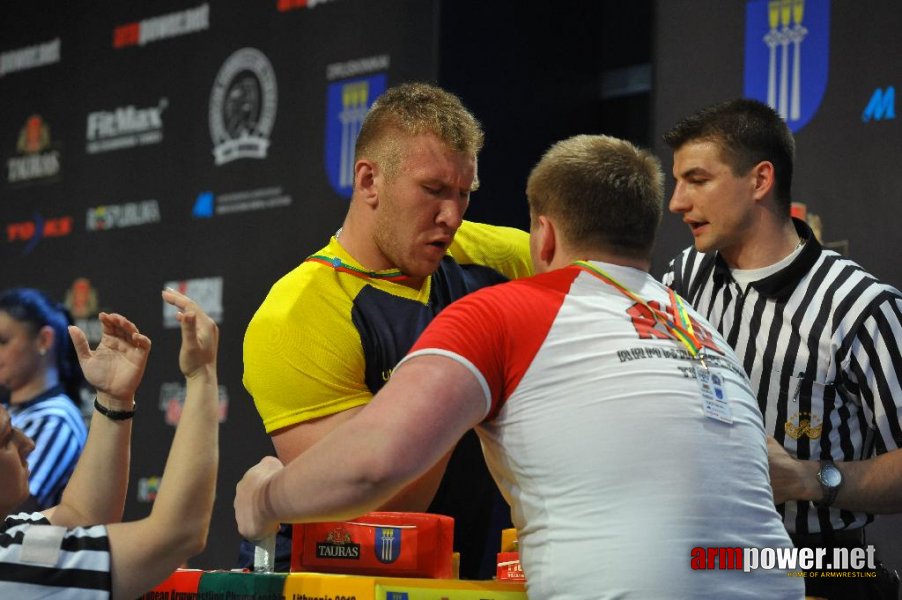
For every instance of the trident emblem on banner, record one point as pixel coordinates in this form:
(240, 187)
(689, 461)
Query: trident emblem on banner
(786, 56)
(786, 29)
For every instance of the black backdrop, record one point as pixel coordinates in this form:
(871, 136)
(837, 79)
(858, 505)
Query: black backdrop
(110, 227)
(159, 210)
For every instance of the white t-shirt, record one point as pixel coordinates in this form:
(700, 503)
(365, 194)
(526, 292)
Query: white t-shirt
(596, 434)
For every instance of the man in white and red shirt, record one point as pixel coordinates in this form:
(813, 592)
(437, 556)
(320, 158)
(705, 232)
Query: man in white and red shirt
(618, 423)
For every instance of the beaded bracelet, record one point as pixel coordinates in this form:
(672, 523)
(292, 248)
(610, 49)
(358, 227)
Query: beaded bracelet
(115, 415)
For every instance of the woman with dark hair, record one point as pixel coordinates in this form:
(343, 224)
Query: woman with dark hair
(40, 371)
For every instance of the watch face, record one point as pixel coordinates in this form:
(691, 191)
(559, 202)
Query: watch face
(830, 475)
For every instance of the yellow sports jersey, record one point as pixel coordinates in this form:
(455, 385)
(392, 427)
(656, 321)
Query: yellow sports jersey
(329, 332)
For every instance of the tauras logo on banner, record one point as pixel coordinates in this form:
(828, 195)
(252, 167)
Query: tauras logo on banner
(38, 160)
(81, 300)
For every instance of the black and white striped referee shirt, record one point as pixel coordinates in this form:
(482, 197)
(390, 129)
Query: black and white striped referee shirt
(58, 430)
(39, 560)
(819, 340)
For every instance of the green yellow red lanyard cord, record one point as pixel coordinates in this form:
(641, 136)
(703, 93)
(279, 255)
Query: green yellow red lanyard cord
(343, 267)
(679, 326)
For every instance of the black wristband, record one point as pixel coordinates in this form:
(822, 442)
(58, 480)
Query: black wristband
(115, 415)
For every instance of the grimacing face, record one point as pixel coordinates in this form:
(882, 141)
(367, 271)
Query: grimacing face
(422, 206)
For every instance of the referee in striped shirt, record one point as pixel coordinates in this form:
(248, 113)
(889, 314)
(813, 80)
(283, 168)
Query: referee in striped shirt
(817, 334)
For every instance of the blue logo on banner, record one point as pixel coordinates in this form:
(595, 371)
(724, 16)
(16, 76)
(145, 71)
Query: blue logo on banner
(786, 51)
(203, 206)
(346, 104)
(388, 544)
(881, 106)
(396, 596)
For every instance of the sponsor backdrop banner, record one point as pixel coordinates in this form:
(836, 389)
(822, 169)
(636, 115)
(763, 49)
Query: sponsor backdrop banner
(831, 69)
(202, 146)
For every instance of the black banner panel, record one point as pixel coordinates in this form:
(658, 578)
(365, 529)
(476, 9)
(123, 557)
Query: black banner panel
(202, 146)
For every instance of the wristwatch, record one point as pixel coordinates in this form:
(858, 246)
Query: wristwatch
(830, 478)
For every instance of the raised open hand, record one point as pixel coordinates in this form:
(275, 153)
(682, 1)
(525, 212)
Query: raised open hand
(116, 366)
(200, 335)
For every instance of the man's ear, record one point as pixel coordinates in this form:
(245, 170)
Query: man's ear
(765, 179)
(365, 181)
(547, 240)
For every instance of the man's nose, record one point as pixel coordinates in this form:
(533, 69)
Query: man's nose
(26, 444)
(679, 203)
(451, 213)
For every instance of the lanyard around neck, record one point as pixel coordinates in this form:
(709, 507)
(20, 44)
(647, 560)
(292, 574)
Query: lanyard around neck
(342, 267)
(678, 325)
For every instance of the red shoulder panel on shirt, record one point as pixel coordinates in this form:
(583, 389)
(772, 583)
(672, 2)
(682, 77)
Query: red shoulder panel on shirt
(501, 328)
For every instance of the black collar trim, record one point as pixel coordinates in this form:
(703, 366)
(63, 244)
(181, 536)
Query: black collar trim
(48, 393)
(781, 284)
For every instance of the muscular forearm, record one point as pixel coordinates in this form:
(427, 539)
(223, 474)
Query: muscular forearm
(96, 492)
(417, 496)
(873, 485)
(407, 428)
(323, 486)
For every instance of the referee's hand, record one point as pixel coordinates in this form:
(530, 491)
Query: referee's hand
(791, 478)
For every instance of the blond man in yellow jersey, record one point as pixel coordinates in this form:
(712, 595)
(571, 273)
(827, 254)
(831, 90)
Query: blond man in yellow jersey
(330, 332)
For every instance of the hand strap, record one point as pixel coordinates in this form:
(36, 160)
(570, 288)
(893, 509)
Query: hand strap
(115, 415)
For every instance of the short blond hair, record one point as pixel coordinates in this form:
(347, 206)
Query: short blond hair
(411, 109)
(603, 192)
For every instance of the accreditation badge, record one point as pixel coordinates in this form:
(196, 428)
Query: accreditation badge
(714, 397)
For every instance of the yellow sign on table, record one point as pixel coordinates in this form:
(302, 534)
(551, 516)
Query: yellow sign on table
(318, 586)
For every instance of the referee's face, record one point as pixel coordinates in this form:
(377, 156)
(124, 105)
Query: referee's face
(15, 447)
(716, 204)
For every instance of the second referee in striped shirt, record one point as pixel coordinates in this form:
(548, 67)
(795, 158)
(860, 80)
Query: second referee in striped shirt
(817, 334)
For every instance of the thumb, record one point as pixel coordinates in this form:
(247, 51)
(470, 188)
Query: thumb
(271, 462)
(80, 342)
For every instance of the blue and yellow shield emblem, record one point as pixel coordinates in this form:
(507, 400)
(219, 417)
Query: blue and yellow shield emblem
(347, 102)
(786, 52)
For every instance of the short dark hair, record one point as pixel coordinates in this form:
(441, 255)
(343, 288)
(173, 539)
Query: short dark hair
(603, 191)
(747, 132)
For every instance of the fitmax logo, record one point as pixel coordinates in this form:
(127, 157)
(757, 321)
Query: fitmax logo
(881, 106)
